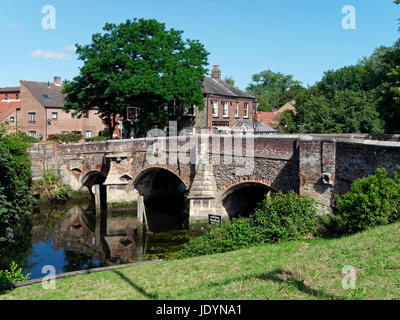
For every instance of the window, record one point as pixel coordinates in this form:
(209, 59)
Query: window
(11, 119)
(88, 134)
(54, 115)
(45, 96)
(6, 96)
(72, 116)
(32, 134)
(226, 109)
(86, 115)
(215, 108)
(237, 110)
(189, 111)
(17, 96)
(32, 117)
(246, 110)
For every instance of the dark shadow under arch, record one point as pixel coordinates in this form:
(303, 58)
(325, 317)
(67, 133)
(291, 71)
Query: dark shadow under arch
(93, 177)
(240, 200)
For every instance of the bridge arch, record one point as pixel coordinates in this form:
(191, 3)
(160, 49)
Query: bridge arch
(240, 199)
(164, 196)
(93, 177)
(147, 170)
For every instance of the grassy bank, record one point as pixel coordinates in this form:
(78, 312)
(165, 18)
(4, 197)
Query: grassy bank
(306, 269)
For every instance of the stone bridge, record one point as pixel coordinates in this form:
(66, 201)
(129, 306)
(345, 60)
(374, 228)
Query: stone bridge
(224, 175)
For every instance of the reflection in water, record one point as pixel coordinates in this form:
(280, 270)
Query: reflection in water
(72, 237)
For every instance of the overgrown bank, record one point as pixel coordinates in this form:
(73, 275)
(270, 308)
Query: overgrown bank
(301, 269)
(16, 197)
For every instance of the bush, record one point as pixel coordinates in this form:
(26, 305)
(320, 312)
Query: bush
(286, 216)
(280, 217)
(68, 138)
(52, 185)
(12, 276)
(98, 138)
(16, 197)
(372, 201)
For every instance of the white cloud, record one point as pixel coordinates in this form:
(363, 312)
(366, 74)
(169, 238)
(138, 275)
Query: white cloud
(50, 55)
(70, 48)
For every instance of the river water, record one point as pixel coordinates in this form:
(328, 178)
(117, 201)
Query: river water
(70, 237)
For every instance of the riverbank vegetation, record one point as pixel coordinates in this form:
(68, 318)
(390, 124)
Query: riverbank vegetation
(278, 218)
(16, 197)
(53, 187)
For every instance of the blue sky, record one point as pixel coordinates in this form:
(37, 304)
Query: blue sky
(303, 38)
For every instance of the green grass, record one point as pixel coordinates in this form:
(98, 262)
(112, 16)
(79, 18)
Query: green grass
(306, 269)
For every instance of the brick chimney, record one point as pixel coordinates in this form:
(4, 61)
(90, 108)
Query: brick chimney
(57, 80)
(216, 73)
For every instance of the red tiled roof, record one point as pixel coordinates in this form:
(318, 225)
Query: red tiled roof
(268, 118)
(6, 108)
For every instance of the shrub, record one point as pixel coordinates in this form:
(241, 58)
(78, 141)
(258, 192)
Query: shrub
(12, 276)
(286, 216)
(280, 217)
(372, 201)
(52, 185)
(16, 197)
(68, 138)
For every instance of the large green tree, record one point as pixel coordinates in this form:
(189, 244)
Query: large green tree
(137, 63)
(273, 89)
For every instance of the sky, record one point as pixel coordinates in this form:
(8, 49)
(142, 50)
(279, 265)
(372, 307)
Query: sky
(302, 38)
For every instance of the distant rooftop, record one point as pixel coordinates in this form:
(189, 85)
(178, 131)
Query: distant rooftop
(47, 93)
(9, 89)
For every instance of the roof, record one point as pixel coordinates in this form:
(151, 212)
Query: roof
(6, 108)
(9, 89)
(221, 88)
(268, 117)
(288, 106)
(249, 125)
(48, 94)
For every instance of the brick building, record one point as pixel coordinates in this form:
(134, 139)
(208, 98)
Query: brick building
(225, 107)
(9, 102)
(38, 112)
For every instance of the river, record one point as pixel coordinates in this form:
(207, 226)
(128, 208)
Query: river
(70, 237)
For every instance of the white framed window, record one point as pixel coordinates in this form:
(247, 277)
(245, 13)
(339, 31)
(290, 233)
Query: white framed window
(54, 115)
(11, 119)
(237, 110)
(215, 108)
(32, 117)
(88, 134)
(226, 109)
(246, 110)
(32, 134)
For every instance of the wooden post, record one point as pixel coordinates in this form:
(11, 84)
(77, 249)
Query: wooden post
(141, 215)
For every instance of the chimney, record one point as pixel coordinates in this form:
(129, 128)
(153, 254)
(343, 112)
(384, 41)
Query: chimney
(57, 81)
(216, 73)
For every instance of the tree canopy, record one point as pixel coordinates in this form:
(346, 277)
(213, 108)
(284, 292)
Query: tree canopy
(137, 63)
(273, 89)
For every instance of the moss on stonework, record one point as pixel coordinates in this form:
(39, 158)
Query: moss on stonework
(120, 205)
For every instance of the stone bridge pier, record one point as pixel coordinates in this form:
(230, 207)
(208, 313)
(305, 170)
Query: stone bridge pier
(225, 175)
